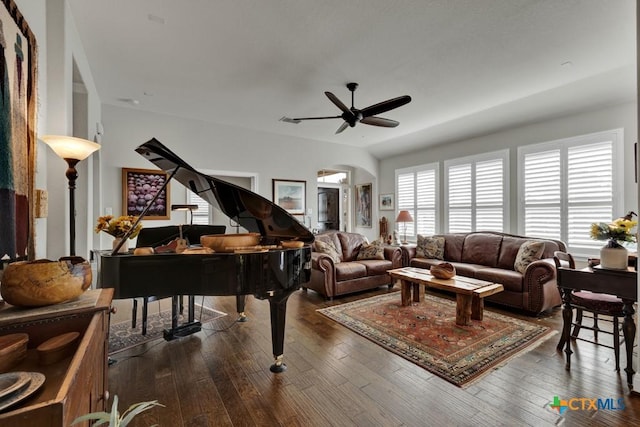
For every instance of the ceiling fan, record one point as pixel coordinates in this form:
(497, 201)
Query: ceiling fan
(352, 115)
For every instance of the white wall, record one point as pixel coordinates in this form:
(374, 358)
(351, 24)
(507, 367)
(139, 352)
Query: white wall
(209, 146)
(617, 116)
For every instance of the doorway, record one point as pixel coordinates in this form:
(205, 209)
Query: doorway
(328, 209)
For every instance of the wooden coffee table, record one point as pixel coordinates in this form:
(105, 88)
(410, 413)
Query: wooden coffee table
(469, 292)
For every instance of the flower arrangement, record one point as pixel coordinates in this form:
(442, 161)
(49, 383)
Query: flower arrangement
(619, 230)
(118, 227)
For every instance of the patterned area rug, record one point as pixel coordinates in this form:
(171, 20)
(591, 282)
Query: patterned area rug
(123, 337)
(426, 334)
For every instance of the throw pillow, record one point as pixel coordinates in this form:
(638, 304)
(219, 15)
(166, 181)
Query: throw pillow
(373, 250)
(529, 252)
(430, 247)
(328, 248)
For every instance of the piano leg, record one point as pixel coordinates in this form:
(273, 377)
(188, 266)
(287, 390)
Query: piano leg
(278, 307)
(240, 301)
(187, 328)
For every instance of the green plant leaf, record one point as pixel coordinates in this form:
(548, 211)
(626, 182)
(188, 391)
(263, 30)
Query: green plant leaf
(115, 415)
(136, 409)
(103, 417)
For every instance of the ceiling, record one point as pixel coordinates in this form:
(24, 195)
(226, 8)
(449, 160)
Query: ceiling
(471, 67)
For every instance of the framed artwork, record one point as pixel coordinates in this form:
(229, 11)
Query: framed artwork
(290, 195)
(387, 202)
(17, 134)
(139, 186)
(363, 205)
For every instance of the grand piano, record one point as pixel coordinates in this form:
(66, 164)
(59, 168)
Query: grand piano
(272, 275)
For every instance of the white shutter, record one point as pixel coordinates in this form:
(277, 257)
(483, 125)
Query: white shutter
(589, 191)
(542, 194)
(460, 198)
(567, 185)
(416, 190)
(201, 215)
(489, 184)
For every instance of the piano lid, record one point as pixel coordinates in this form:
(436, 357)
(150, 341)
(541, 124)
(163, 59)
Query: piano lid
(250, 210)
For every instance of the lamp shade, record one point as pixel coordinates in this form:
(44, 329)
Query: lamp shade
(404, 216)
(69, 147)
(184, 207)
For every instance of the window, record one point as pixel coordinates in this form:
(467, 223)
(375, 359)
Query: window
(566, 185)
(417, 192)
(201, 215)
(476, 189)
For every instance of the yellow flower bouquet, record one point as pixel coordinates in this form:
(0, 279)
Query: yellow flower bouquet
(118, 227)
(619, 230)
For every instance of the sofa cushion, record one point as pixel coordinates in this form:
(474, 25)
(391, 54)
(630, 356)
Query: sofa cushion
(376, 267)
(350, 270)
(328, 248)
(350, 244)
(481, 248)
(373, 250)
(509, 250)
(511, 280)
(331, 236)
(453, 246)
(430, 247)
(529, 251)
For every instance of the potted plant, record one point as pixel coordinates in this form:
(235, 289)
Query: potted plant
(113, 418)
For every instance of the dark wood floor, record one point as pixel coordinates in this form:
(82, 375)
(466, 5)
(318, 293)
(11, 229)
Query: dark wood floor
(220, 377)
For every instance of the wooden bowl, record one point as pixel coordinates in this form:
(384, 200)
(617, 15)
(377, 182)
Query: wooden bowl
(57, 348)
(444, 270)
(44, 282)
(229, 242)
(290, 244)
(13, 348)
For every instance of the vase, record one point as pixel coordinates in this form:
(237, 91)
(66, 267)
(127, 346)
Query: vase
(613, 256)
(125, 246)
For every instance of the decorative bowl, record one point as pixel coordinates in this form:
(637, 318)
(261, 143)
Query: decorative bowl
(444, 270)
(45, 282)
(13, 348)
(289, 244)
(229, 242)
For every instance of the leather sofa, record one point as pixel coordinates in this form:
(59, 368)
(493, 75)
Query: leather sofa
(348, 275)
(491, 256)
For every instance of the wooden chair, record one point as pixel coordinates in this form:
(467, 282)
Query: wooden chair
(157, 236)
(596, 304)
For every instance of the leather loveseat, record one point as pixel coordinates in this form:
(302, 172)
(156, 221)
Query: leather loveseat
(342, 273)
(491, 256)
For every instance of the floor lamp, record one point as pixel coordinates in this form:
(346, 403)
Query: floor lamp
(404, 217)
(72, 150)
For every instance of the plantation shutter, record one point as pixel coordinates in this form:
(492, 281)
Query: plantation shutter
(416, 190)
(567, 185)
(542, 194)
(201, 215)
(460, 198)
(490, 195)
(589, 191)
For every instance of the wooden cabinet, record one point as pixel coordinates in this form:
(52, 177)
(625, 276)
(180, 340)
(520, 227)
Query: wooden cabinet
(75, 385)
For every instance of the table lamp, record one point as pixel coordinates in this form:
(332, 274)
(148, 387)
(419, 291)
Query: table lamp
(405, 217)
(72, 150)
(189, 208)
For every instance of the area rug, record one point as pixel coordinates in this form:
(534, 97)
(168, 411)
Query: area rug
(123, 337)
(425, 333)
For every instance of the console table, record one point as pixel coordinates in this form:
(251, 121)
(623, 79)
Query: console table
(75, 385)
(622, 284)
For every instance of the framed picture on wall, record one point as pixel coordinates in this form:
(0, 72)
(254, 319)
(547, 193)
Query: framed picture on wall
(18, 95)
(139, 186)
(387, 202)
(363, 205)
(290, 195)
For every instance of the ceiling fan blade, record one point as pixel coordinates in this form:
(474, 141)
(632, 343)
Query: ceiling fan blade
(384, 106)
(317, 118)
(342, 127)
(380, 121)
(338, 103)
